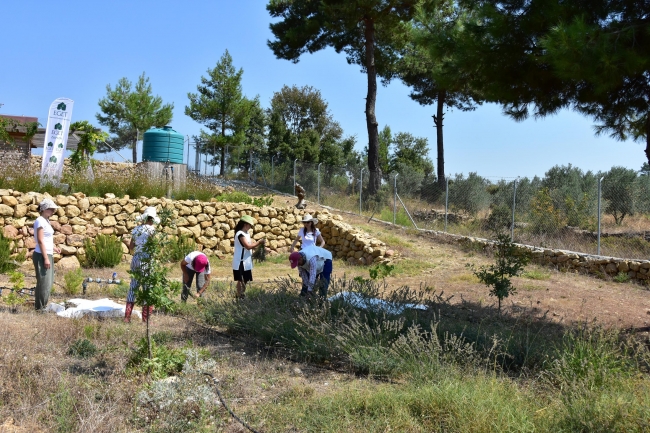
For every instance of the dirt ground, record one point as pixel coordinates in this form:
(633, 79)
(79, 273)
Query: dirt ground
(423, 260)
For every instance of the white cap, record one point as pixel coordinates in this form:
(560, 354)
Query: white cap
(45, 204)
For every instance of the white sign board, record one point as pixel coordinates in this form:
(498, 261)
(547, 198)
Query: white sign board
(56, 138)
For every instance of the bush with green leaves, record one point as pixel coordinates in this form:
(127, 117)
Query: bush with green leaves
(7, 262)
(510, 261)
(104, 252)
(620, 192)
(15, 298)
(178, 247)
(73, 280)
(469, 194)
(156, 359)
(234, 197)
(82, 348)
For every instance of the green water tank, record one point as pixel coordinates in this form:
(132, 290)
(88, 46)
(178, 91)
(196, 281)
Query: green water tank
(162, 145)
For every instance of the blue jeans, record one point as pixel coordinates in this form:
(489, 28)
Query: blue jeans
(322, 280)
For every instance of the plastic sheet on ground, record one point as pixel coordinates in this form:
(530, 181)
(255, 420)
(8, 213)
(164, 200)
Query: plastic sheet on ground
(78, 308)
(366, 303)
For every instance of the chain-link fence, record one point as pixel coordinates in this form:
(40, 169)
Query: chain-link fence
(606, 215)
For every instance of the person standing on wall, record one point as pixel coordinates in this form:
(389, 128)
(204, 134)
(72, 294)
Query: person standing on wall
(308, 234)
(139, 236)
(242, 261)
(195, 263)
(315, 269)
(43, 256)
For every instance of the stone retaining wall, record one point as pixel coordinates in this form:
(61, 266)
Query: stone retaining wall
(599, 266)
(210, 224)
(99, 168)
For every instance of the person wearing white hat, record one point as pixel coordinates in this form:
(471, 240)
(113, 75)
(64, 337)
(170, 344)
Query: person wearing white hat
(308, 234)
(139, 236)
(43, 256)
(242, 260)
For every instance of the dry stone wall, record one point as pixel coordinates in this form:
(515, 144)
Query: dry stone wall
(100, 167)
(570, 261)
(210, 224)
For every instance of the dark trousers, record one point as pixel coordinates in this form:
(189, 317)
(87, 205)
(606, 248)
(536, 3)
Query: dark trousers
(322, 280)
(200, 281)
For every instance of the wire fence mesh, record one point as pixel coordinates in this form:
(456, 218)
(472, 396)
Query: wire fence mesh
(606, 215)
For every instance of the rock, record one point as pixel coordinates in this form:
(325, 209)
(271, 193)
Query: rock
(67, 250)
(20, 210)
(6, 210)
(75, 240)
(66, 229)
(389, 253)
(100, 211)
(72, 211)
(109, 221)
(9, 200)
(11, 232)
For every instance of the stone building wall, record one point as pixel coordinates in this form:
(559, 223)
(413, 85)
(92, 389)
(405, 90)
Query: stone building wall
(210, 224)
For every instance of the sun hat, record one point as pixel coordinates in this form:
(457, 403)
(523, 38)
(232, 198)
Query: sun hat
(307, 218)
(149, 212)
(47, 204)
(294, 258)
(248, 219)
(200, 263)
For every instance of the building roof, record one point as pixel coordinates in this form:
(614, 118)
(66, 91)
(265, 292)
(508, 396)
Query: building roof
(73, 139)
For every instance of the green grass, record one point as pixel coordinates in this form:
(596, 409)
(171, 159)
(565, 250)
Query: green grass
(536, 274)
(502, 374)
(410, 267)
(465, 278)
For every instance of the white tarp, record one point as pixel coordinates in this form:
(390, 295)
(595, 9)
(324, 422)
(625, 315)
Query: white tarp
(367, 303)
(85, 307)
(56, 138)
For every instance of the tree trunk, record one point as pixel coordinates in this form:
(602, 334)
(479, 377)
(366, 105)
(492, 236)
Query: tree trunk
(135, 147)
(222, 170)
(371, 120)
(647, 139)
(438, 120)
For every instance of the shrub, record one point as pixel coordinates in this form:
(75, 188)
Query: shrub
(73, 280)
(235, 197)
(82, 349)
(6, 262)
(469, 194)
(105, 252)
(265, 200)
(178, 247)
(163, 362)
(509, 262)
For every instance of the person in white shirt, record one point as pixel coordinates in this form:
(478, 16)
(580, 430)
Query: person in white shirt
(308, 234)
(242, 260)
(139, 236)
(315, 269)
(195, 263)
(43, 256)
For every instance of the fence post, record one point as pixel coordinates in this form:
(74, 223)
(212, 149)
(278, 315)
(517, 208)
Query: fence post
(600, 181)
(514, 201)
(319, 164)
(395, 198)
(294, 175)
(272, 179)
(446, 201)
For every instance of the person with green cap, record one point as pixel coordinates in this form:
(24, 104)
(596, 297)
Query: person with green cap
(242, 261)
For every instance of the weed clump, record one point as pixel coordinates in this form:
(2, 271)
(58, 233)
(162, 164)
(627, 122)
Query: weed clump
(104, 252)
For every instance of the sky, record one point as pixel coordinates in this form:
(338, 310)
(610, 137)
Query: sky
(74, 49)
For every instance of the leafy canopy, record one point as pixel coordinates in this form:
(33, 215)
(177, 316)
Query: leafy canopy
(128, 112)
